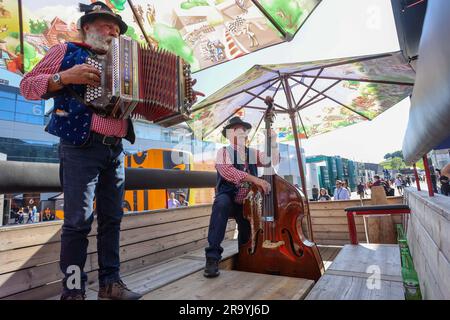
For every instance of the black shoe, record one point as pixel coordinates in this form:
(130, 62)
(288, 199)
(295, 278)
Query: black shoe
(211, 268)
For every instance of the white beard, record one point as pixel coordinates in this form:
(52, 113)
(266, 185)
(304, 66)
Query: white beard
(98, 41)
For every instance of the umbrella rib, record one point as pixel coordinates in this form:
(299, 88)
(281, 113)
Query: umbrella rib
(258, 97)
(253, 107)
(300, 75)
(207, 134)
(301, 121)
(336, 64)
(265, 68)
(257, 128)
(234, 94)
(334, 100)
(309, 87)
(318, 94)
(211, 131)
(276, 91)
(314, 102)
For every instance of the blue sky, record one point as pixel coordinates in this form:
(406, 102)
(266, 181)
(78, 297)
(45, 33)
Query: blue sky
(341, 28)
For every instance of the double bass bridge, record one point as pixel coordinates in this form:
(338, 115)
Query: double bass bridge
(267, 244)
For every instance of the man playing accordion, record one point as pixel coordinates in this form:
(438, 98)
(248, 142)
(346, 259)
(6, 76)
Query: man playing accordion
(90, 151)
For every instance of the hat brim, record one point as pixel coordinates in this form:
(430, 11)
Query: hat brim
(246, 125)
(94, 15)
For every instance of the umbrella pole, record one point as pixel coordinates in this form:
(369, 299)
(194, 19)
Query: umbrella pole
(302, 175)
(292, 111)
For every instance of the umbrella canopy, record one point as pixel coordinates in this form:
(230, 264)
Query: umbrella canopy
(321, 95)
(202, 32)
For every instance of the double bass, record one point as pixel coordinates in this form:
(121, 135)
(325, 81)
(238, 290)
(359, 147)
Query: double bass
(276, 244)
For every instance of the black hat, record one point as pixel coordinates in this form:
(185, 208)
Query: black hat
(234, 122)
(99, 9)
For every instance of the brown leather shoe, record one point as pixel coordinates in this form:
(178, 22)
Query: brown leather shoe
(117, 291)
(73, 296)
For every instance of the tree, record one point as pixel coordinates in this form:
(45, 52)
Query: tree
(396, 163)
(396, 154)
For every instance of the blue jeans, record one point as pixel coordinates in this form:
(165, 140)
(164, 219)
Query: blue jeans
(92, 170)
(224, 208)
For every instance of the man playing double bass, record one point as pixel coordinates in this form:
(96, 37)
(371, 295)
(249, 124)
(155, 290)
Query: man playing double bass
(236, 167)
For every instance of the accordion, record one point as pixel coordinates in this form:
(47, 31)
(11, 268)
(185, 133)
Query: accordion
(142, 83)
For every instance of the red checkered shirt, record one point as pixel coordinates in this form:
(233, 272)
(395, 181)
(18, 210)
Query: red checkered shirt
(35, 84)
(225, 167)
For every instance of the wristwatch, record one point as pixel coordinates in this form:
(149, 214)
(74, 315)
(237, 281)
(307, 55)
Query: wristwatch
(57, 79)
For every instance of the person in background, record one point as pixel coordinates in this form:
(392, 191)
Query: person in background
(434, 178)
(35, 214)
(315, 193)
(444, 179)
(46, 215)
(182, 200)
(20, 216)
(378, 182)
(324, 196)
(172, 202)
(341, 193)
(399, 184)
(408, 181)
(345, 185)
(30, 215)
(361, 189)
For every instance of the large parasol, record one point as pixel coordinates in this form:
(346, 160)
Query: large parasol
(310, 98)
(203, 32)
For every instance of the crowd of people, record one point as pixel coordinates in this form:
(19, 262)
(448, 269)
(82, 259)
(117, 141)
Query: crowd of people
(25, 215)
(439, 180)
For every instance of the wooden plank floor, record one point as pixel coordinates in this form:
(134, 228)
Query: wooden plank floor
(365, 259)
(362, 272)
(234, 285)
(344, 287)
(160, 280)
(152, 277)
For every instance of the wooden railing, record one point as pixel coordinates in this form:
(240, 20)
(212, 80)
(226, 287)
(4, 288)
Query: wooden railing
(29, 254)
(329, 221)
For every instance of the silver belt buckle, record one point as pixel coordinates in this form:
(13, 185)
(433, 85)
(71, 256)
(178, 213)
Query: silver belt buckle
(104, 141)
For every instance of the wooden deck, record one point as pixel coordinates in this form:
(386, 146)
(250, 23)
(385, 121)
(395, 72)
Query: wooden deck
(234, 285)
(158, 249)
(182, 278)
(362, 272)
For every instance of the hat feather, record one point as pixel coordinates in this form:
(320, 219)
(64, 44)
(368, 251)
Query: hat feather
(85, 7)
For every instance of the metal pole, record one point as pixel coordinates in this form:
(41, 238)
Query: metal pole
(139, 22)
(428, 175)
(288, 94)
(416, 175)
(22, 50)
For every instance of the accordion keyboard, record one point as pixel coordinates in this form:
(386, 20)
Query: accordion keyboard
(92, 92)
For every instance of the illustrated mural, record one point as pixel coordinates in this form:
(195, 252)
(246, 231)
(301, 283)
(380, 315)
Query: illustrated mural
(202, 32)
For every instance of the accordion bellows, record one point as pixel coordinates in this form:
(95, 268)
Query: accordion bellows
(142, 83)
